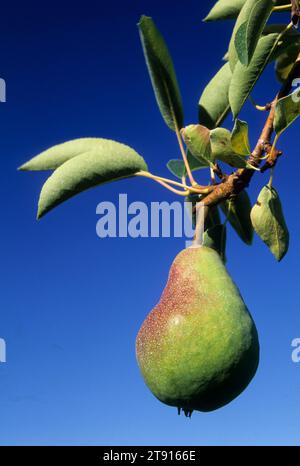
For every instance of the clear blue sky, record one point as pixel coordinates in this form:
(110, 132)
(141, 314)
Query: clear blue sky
(71, 304)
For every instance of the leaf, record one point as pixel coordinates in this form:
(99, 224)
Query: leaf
(269, 48)
(52, 158)
(220, 139)
(289, 44)
(238, 212)
(230, 9)
(108, 162)
(285, 63)
(197, 139)
(289, 38)
(215, 238)
(177, 166)
(244, 78)
(252, 20)
(213, 217)
(162, 73)
(279, 28)
(287, 110)
(225, 9)
(255, 14)
(214, 102)
(269, 223)
(240, 138)
(194, 163)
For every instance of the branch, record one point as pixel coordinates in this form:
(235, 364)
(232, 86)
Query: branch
(241, 178)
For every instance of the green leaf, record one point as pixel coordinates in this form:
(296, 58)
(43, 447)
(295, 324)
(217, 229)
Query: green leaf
(213, 218)
(230, 9)
(290, 38)
(244, 78)
(225, 9)
(177, 167)
(286, 111)
(249, 31)
(215, 238)
(285, 63)
(52, 158)
(220, 139)
(197, 139)
(214, 102)
(279, 28)
(252, 19)
(162, 73)
(289, 44)
(269, 223)
(109, 161)
(240, 138)
(238, 213)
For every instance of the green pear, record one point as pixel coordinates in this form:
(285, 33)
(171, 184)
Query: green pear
(198, 348)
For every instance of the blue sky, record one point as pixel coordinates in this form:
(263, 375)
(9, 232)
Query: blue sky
(71, 304)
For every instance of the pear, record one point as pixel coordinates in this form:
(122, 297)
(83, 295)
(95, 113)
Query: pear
(198, 348)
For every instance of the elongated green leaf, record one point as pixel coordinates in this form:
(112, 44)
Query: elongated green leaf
(248, 33)
(269, 223)
(247, 30)
(286, 111)
(240, 138)
(162, 73)
(269, 48)
(108, 162)
(244, 78)
(230, 9)
(52, 158)
(213, 218)
(285, 63)
(177, 167)
(287, 52)
(215, 238)
(289, 38)
(288, 44)
(225, 9)
(220, 139)
(214, 102)
(278, 28)
(238, 213)
(197, 139)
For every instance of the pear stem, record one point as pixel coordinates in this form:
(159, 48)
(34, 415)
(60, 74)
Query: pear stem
(270, 184)
(201, 213)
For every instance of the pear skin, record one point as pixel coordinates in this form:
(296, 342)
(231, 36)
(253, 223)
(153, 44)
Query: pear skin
(198, 348)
